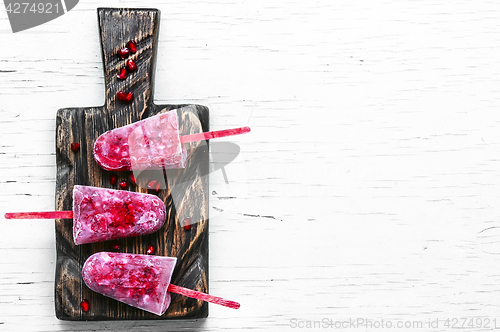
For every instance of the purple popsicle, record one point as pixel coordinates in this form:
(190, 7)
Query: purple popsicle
(101, 214)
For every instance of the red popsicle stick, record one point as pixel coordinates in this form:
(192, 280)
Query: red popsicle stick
(202, 296)
(40, 215)
(214, 134)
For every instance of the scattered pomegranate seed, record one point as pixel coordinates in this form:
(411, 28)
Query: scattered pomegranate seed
(151, 184)
(131, 66)
(113, 180)
(187, 224)
(85, 304)
(158, 186)
(132, 46)
(123, 184)
(116, 246)
(128, 97)
(123, 53)
(132, 178)
(123, 73)
(151, 250)
(75, 146)
(121, 95)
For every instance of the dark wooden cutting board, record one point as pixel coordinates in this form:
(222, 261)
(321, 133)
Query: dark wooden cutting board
(185, 194)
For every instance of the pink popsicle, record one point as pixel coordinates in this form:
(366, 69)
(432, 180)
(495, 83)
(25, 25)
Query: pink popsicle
(142, 281)
(137, 280)
(101, 214)
(153, 143)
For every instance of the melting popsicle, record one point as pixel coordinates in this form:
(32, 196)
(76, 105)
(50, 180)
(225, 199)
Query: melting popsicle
(142, 281)
(153, 143)
(101, 214)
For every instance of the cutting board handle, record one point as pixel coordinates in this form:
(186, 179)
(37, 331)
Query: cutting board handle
(117, 26)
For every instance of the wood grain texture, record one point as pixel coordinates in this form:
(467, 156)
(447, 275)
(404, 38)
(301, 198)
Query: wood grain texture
(185, 194)
(369, 186)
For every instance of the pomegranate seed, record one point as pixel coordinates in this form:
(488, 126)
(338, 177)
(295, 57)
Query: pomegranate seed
(132, 46)
(123, 53)
(116, 246)
(131, 66)
(158, 186)
(130, 97)
(187, 224)
(123, 73)
(151, 250)
(121, 95)
(85, 304)
(151, 184)
(75, 146)
(132, 179)
(113, 180)
(123, 184)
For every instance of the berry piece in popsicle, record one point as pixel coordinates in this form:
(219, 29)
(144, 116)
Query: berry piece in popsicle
(101, 214)
(142, 281)
(153, 143)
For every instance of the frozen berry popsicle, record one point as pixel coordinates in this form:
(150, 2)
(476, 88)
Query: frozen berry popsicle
(137, 280)
(101, 214)
(153, 143)
(142, 281)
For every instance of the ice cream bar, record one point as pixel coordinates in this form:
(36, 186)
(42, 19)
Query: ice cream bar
(153, 143)
(137, 280)
(142, 281)
(101, 214)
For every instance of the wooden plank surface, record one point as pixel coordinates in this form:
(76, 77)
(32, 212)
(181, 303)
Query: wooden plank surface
(185, 196)
(366, 188)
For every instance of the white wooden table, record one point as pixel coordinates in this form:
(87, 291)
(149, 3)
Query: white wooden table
(367, 192)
